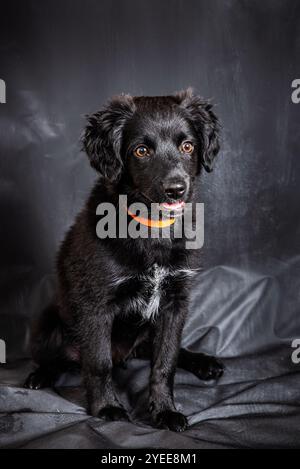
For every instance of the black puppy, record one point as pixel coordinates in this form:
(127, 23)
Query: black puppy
(122, 297)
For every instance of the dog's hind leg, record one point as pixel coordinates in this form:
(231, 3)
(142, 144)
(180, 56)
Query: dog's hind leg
(205, 367)
(49, 350)
(43, 377)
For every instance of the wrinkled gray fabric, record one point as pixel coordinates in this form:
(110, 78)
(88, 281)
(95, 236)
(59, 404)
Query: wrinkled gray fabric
(63, 59)
(245, 409)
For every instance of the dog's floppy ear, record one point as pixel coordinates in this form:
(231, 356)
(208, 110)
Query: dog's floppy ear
(205, 123)
(102, 137)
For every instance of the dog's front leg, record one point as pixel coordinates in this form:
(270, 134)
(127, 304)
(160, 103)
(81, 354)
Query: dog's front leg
(166, 343)
(97, 367)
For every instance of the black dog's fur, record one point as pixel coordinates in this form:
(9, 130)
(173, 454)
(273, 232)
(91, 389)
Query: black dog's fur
(99, 319)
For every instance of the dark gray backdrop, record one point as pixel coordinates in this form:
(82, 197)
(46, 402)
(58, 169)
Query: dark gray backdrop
(62, 59)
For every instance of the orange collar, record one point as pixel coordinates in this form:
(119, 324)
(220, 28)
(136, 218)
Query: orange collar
(152, 223)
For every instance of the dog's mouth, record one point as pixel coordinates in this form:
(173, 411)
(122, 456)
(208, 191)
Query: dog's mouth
(173, 209)
(176, 208)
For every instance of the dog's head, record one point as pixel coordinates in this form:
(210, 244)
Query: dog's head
(153, 147)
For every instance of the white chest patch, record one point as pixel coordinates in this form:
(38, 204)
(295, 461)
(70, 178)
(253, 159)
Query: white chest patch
(154, 282)
(146, 301)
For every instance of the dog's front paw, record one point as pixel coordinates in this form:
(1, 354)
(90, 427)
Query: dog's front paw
(172, 420)
(206, 367)
(113, 413)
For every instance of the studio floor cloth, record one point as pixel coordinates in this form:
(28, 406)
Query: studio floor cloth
(254, 405)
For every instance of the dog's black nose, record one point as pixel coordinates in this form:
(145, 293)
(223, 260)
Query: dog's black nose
(175, 190)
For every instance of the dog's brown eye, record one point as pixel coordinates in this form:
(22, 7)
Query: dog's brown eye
(141, 151)
(186, 147)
